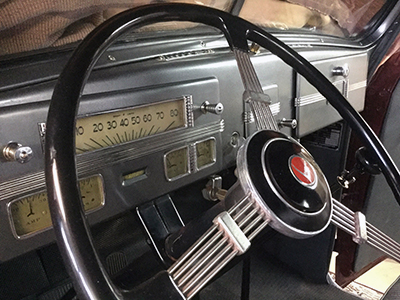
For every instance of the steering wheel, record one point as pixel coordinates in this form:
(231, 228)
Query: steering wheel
(71, 228)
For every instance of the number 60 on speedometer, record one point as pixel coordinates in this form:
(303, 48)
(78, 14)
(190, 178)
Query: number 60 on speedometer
(117, 127)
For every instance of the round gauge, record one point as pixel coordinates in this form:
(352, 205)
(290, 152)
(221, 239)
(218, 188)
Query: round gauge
(176, 163)
(205, 153)
(117, 127)
(31, 214)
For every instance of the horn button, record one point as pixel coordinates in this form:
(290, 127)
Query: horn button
(286, 182)
(292, 175)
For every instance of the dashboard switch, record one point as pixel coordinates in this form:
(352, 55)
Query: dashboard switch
(217, 109)
(213, 190)
(16, 152)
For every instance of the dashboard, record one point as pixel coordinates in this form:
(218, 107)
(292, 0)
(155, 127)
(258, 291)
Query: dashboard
(152, 119)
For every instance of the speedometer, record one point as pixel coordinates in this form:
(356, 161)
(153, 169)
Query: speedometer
(117, 127)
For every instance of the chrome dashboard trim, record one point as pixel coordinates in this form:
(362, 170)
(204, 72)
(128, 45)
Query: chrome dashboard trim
(91, 162)
(248, 116)
(317, 97)
(275, 108)
(358, 85)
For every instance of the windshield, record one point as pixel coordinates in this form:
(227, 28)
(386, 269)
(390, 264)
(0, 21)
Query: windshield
(342, 18)
(27, 25)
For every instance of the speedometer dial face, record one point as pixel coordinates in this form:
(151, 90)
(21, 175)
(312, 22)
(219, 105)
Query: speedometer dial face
(113, 128)
(31, 214)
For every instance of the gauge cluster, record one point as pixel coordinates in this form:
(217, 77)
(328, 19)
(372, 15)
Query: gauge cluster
(131, 146)
(189, 159)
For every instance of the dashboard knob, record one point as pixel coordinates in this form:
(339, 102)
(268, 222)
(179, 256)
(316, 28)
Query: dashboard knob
(16, 152)
(292, 123)
(341, 71)
(216, 109)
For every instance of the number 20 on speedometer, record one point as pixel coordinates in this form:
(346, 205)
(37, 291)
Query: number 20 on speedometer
(113, 128)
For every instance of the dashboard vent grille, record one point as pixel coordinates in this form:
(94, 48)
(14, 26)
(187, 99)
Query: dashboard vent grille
(186, 54)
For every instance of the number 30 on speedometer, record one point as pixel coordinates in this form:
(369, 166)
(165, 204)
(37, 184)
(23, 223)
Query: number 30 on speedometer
(113, 128)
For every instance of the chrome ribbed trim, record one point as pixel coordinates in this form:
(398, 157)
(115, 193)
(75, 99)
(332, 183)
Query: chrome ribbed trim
(248, 116)
(192, 158)
(91, 162)
(263, 115)
(189, 110)
(185, 54)
(247, 72)
(358, 85)
(317, 97)
(22, 186)
(275, 108)
(309, 99)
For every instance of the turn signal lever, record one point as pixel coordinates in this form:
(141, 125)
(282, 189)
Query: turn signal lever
(364, 163)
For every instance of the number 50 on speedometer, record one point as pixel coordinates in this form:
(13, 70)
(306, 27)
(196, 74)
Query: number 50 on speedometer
(117, 127)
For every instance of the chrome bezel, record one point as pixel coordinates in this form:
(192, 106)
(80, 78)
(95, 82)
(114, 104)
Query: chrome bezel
(214, 154)
(189, 171)
(312, 185)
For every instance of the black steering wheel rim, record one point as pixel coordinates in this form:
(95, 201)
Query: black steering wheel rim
(74, 239)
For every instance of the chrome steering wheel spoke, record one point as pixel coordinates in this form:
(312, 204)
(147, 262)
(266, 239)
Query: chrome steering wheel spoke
(355, 224)
(230, 236)
(253, 95)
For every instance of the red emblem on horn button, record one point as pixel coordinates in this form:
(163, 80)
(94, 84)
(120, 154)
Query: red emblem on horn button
(302, 170)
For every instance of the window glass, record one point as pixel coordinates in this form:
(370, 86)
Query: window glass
(343, 18)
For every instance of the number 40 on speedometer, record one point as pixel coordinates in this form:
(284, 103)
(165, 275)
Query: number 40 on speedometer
(117, 127)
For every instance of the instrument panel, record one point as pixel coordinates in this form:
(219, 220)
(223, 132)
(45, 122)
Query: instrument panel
(140, 133)
(131, 146)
